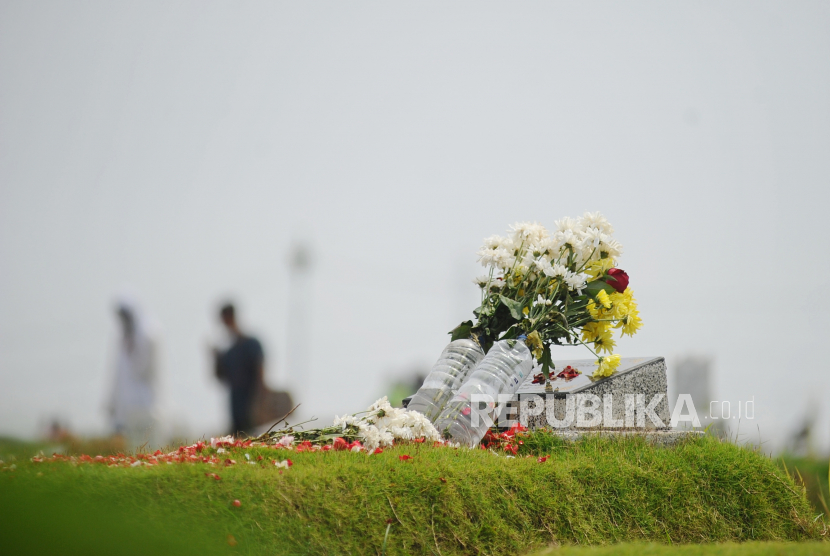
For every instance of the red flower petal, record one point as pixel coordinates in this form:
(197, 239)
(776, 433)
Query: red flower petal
(404, 457)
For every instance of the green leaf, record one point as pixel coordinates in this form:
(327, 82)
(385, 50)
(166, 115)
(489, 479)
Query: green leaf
(547, 362)
(462, 331)
(514, 306)
(511, 333)
(594, 287)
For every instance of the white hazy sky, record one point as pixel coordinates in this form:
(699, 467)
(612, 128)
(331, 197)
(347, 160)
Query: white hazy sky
(182, 147)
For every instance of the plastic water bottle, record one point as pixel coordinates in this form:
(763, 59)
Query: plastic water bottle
(502, 371)
(446, 376)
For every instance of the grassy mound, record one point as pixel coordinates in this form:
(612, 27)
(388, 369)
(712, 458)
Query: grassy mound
(442, 501)
(725, 549)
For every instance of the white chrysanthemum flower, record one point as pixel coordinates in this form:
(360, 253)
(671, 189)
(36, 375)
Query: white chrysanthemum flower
(344, 421)
(540, 300)
(545, 246)
(396, 423)
(493, 242)
(612, 248)
(568, 224)
(504, 259)
(497, 284)
(595, 243)
(557, 271)
(481, 281)
(592, 241)
(528, 260)
(543, 265)
(487, 257)
(381, 404)
(526, 233)
(404, 433)
(566, 238)
(597, 221)
(575, 282)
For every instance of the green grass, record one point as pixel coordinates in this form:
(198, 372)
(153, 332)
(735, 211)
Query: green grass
(814, 474)
(725, 549)
(443, 501)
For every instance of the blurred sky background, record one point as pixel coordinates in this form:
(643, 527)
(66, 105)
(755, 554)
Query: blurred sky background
(185, 148)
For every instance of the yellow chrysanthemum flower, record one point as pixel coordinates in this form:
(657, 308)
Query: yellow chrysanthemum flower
(593, 310)
(593, 330)
(619, 305)
(630, 320)
(534, 342)
(607, 365)
(605, 342)
(599, 333)
(631, 323)
(603, 299)
(599, 267)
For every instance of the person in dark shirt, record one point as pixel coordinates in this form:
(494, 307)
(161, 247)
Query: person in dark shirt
(240, 367)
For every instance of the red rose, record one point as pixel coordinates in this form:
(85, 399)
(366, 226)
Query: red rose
(618, 279)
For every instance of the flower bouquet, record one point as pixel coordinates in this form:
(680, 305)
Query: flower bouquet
(559, 289)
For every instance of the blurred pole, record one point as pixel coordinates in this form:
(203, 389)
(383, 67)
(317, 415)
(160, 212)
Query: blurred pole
(298, 353)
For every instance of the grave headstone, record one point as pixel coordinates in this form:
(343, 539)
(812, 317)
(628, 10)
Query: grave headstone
(634, 397)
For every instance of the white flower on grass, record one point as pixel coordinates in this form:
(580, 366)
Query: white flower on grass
(382, 405)
(285, 441)
(344, 421)
(383, 424)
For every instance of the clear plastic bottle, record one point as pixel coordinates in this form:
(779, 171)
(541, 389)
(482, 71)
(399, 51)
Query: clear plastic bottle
(446, 376)
(502, 371)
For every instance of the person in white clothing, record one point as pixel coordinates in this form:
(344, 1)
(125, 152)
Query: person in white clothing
(132, 405)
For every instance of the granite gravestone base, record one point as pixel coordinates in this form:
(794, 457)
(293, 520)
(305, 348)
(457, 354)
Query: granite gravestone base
(632, 401)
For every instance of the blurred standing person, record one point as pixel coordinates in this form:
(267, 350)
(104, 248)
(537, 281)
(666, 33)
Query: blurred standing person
(133, 401)
(240, 367)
